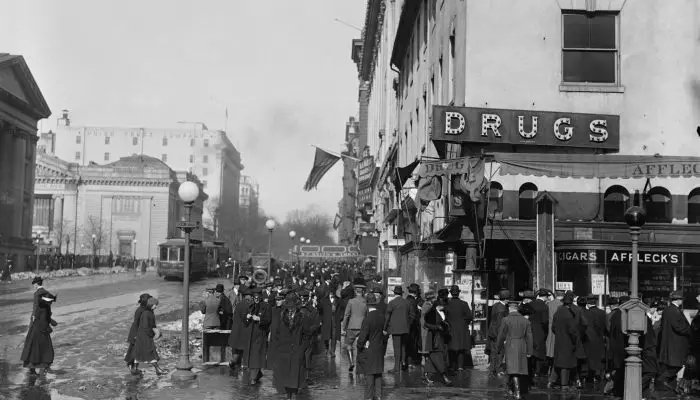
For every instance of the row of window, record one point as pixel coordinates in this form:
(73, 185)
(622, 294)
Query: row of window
(616, 200)
(163, 157)
(135, 141)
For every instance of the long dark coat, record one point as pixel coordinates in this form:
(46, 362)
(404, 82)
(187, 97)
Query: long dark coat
(565, 327)
(38, 347)
(413, 347)
(539, 322)
(582, 326)
(498, 312)
(131, 338)
(459, 316)
(255, 358)
(594, 338)
(289, 371)
(370, 361)
(397, 316)
(330, 317)
(616, 341)
(226, 312)
(515, 342)
(437, 342)
(240, 332)
(674, 337)
(312, 325)
(275, 320)
(552, 308)
(145, 348)
(648, 344)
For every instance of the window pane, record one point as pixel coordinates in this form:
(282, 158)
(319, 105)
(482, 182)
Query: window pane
(589, 66)
(602, 32)
(576, 31)
(164, 254)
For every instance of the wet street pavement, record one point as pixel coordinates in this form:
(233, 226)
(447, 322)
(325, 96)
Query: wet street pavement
(95, 313)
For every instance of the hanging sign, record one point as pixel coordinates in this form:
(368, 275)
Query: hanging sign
(565, 286)
(598, 284)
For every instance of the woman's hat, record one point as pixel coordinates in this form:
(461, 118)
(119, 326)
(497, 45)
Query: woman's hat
(37, 280)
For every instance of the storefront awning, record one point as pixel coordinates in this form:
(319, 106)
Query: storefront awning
(577, 165)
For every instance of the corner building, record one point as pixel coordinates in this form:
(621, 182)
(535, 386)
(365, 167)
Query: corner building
(577, 109)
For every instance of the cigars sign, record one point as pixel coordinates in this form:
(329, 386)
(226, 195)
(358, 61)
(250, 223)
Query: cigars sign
(526, 128)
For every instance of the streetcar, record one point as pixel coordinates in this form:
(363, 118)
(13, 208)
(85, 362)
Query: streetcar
(217, 254)
(171, 259)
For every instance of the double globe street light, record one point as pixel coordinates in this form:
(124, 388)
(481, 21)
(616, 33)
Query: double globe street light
(188, 193)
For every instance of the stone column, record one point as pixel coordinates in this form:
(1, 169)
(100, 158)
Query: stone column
(58, 225)
(18, 160)
(6, 189)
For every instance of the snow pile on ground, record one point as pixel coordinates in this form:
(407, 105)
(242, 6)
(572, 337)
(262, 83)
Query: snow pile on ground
(62, 273)
(195, 323)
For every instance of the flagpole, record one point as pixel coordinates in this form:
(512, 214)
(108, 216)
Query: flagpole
(335, 154)
(226, 121)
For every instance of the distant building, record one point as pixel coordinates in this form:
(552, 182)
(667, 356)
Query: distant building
(248, 195)
(208, 154)
(347, 205)
(21, 106)
(130, 205)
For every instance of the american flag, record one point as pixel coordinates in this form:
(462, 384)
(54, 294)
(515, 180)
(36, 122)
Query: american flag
(323, 161)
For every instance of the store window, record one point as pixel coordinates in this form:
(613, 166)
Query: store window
(526, 201)
(615, 202)
(495, 200)
(589, 52)
(694, 206)
(658, 205)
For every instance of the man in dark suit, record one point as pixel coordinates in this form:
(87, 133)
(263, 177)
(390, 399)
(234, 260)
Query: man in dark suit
(593, 340)
(370, 341)
(397, 325)
(225, 308)
(615, 352)
(414, 336)
(459, 316)
(498, 311)
(673, 341)
(539, 320)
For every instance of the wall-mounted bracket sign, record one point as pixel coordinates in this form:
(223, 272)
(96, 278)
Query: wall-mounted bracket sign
(526, 128)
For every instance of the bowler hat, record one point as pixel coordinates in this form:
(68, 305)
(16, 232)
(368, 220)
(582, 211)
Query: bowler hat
(528, 294)
(442, 294)
(359, 283)
(219, 288)
(38, 280)
(398, 290)
(454, 289)
(513, 303)
(429, 295)
(613, 301)
(676, 295)
(568, 297)
(592, 299)
(290, 302)
(413, 288)
(378, 290)
(304, 293)
(543, 292)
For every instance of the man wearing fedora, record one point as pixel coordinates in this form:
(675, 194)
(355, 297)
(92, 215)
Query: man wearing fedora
(539, 320)
(370, 346)
(673, 342)
(355, 313)
(459, 316)
(413, 345)
(397, 325)
(225, 308)
(209, 306)
(498, 312)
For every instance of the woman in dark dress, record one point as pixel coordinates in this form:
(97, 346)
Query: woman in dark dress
(131, 338)
(437, 339)
(38, 348)
(289, 372)
(145, 347)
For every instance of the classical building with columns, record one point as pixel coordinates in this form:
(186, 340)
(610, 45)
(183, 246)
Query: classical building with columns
(21, 107)
(129, 205)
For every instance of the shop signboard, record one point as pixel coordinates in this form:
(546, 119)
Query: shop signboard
(448, 281)
(527, 128)
(367, 227)
(366, 169)
(479, 356)
(661, 258)
(598, 284)
(565, 286)
(449, 262)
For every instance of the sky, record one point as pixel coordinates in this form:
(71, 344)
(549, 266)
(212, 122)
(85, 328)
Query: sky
(282, 68)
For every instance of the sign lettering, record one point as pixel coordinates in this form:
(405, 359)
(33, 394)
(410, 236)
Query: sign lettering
(508, 127)
(619, 257)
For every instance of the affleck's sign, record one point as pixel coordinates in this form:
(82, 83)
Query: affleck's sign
(526, 128)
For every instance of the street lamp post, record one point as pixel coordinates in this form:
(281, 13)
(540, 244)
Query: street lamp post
(68, 251)
(634, 312)
(188, 193)
(37, 240)
(292, 235)
(301, 241)
(270, 225)
(94, 250)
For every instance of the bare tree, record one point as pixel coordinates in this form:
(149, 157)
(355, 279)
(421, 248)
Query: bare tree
(63, 231)
(94, 226)
(213, 208)
(312, 223)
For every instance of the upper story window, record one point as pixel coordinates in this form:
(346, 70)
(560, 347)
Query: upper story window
(615, 202)
(164, 157)
(495, 200)
(134, 141)
(192, 142)
(205, 171)
(205, 159)
(206, 142)
(78, 139)
(106, 156)
(526, 201)
(165, 141)
(107, 139)
(589, 53)
(694, 206)
(77, 155)
(658, 205)
(191, 158)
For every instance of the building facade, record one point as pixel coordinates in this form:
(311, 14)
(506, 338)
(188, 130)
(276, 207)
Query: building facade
(21, 106)
(129, 205)
(248, 193)
(208, 154)
(524, 103)
(348, 203)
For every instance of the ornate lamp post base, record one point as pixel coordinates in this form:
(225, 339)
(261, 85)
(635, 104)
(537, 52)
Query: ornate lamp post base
(183, 372)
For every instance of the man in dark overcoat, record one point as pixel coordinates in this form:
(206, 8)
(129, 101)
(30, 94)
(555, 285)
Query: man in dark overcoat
(330, 312)
(370, 343)
(594, 339)
(498, 312)
(615, 351)
(240, 333)
(413, 344)
(257, 320)
(459, 316)
(515, 342)
(539, 320)
(397, 325)
(673, 342)
(312, 326)
(565, 327)
(225, 308)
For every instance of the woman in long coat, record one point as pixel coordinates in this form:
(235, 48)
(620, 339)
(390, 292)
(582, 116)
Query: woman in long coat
(145, 347)
(38, 348)
(289, 372)
(370, 348)
(257, 323)
(566, 328)
(131, 338)
(515, 342)
(437, 340)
